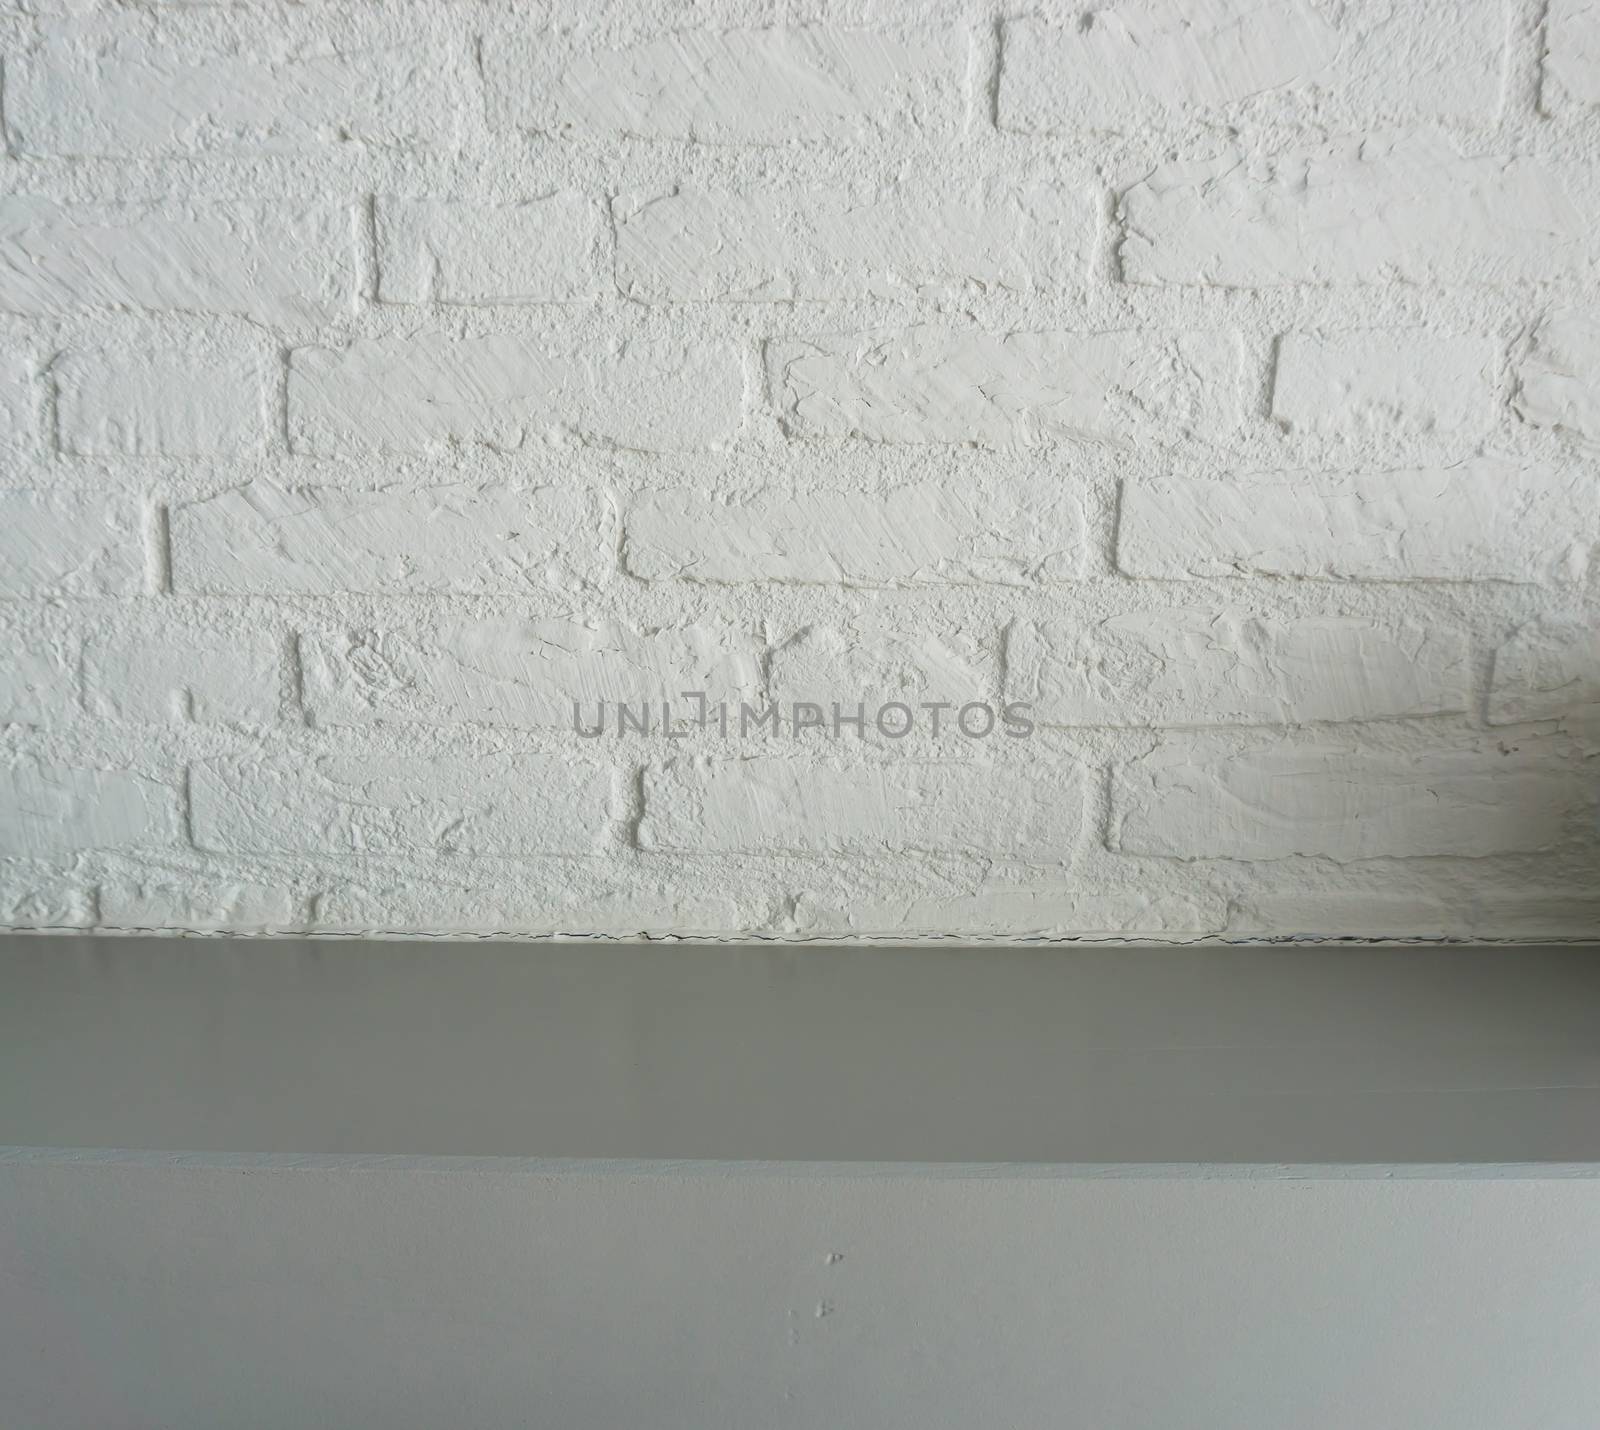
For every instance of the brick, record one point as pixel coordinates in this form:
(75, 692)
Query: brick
(1205, 797)
(867, 662)
(19, 404)
(948, 532)
(183, 676)
(50, 810)
(546, 250)
(279, 265)
(826, 245)
(421, 394)
(1571, 57)
(198, 902)
(1558, 379)
(115, 89)
(935, 385)
(778, 805)
(1208, 667)
(37, 896)
(556, 901)
(38, 679)
(1349, 211)
(58, 544)
(210, 400)
(1350, 913)
(316, 540)
(1135, 63)
(1548, 670)
(773, 85)
(1352, 386)
(1553, 912)
(1480, 521)
(502, 671)
(1013, 914)
(443, 805)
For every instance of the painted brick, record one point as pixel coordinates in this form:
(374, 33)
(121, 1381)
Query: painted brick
(832, 244)
(778, 805)
(423, 393)
(114, 89)
(1010, 532)
(1205, 667)
(503, 671)
(935, 385)
(38, 896)
(1376, 209)
(556, 901)
(51, 810)
(210, 400)
(1480, 521)
(1555, 911)
(1558, 380)
(772, 85)
(528, 262)
(1012, 914)
(156, 677)
(19, 403)
(1374, 384)
(545, 250)
(198, 901)
(38, 679)
(1133, 63)
(61, 544)
(1350, 913)
(1203, 797)
(869, 662)
(442, 805)
(1548, 670)
(283, 264)
(1571, 57)
(316, 540)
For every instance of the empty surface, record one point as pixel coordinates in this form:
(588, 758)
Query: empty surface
(802, 1053)
(192, 1297)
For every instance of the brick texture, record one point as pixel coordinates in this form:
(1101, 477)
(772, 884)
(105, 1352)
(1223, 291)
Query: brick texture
(1485, 521)
(1406, 207)
(778, 805)
(456, 460)
(266, 540)
(419, 394)
(932, 385)
(518, 673)
(770, 85)
(283, 264)
(214, 400)
(356, 804)
(1139, 62)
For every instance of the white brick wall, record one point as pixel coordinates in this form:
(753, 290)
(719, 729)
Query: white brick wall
(209, 400)
(274, 264)
(523, 674)
(823, 245)
(929, 384)
(1218, 382)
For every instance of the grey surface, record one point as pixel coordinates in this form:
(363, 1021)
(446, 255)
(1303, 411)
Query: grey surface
(191, 1297)
(936, 1054)
(295, 1276)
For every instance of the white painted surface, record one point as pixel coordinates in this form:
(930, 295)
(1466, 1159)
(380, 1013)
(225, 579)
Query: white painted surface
(377, 378)
(1345, 1187)
(187, 1294)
